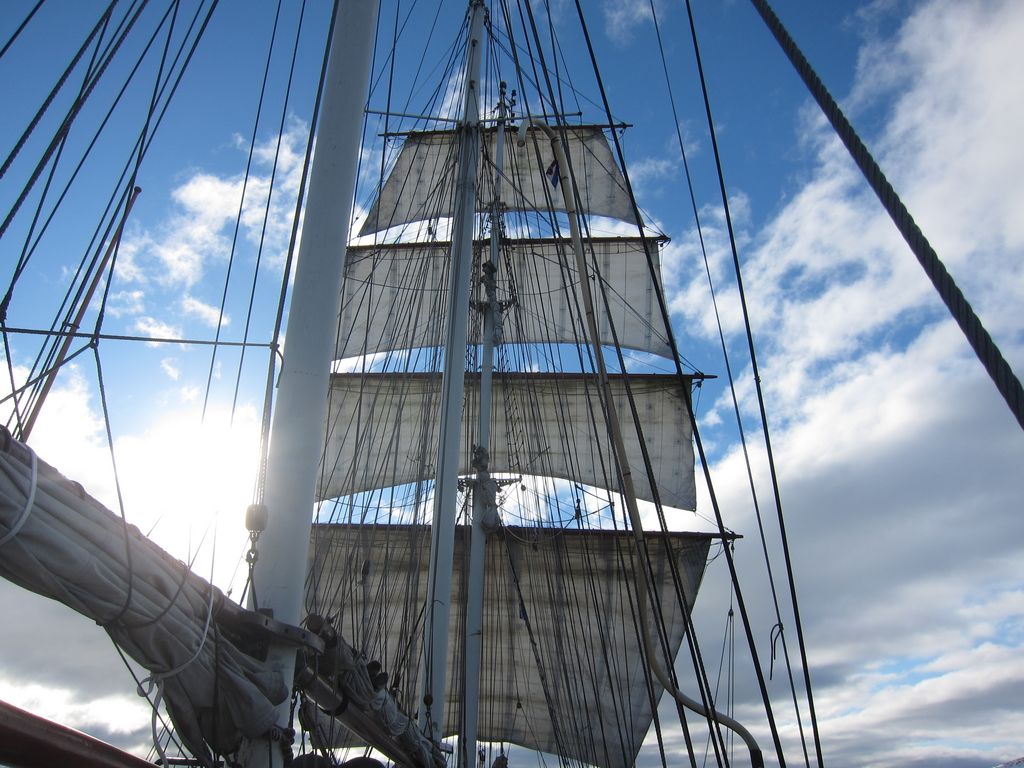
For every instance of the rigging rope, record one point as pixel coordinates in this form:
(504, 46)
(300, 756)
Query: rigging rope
(30, 246)
(18, 31)
(68, 120)
(140, 148)
(978, 337)
(293, 238)
(266, 211)
(241, 204)
(760, 398)
(20, 143)
(707, 711)
(732, 384)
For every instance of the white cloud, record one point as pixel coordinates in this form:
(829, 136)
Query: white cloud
(63, 667)
(127, 268)
(156, 329)
(206, 313)
(70, 434)
(181, 250)
(623, 17)
(194, 237)
(209, 200)
(214, 463)
(167, 365)
(115, 714)
(212, 460)
(646, 173)
(126, 303)
(831, 277)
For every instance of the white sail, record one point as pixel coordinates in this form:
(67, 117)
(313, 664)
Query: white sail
(543, 424)
(420, 187)
(561, 633)
(394, 295)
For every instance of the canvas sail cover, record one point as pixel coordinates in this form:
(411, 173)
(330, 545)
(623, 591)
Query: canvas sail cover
(559, 631)
(381, 431)
(394, 296)
(59, 542)
(421, 184)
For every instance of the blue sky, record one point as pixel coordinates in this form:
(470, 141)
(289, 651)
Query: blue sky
(900, 465)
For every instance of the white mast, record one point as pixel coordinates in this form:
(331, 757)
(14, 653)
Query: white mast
(301, 408)
(484, 488)
(446, 486)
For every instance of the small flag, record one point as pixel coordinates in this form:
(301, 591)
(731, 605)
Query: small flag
(553, 173)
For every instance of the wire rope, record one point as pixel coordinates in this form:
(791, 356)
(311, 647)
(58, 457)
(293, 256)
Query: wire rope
(732, 385)
(977, 336)
(68, 120)
(758, 389)
(241, 205)
(267, 208)
(20, 143)
(142, 143)
(14, 35)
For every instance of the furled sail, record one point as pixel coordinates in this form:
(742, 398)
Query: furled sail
(420, 187)
(381, 431)
(394, 295)
(560, 626)
(58, 541)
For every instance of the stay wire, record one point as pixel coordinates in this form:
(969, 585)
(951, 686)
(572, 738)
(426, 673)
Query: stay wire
(703, 688)
(293, 239)
(535, 648)
(696, 656)
(65, 126)
(696, 434)
(20, 143)
(241, 206)
(21, 27)
(110, 203)
(138, 686)
(267, 208)
(978, 337)
(29, 249)
(732, 384)
(154, 100)
(728, 635)
(50, 176)
(95, 341)
(13, 396)
(46, 357)
(117, 487)
(760, 393)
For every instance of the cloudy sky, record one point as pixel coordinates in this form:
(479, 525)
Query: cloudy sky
(900, 466)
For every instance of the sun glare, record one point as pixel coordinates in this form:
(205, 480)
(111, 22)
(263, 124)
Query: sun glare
(185, 481)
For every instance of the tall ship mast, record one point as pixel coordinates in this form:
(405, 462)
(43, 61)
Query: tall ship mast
(415, 310)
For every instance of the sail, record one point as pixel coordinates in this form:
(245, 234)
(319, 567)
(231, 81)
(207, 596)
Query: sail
(394, 295)
(420, 186)
(560, 626)
(381, 431)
